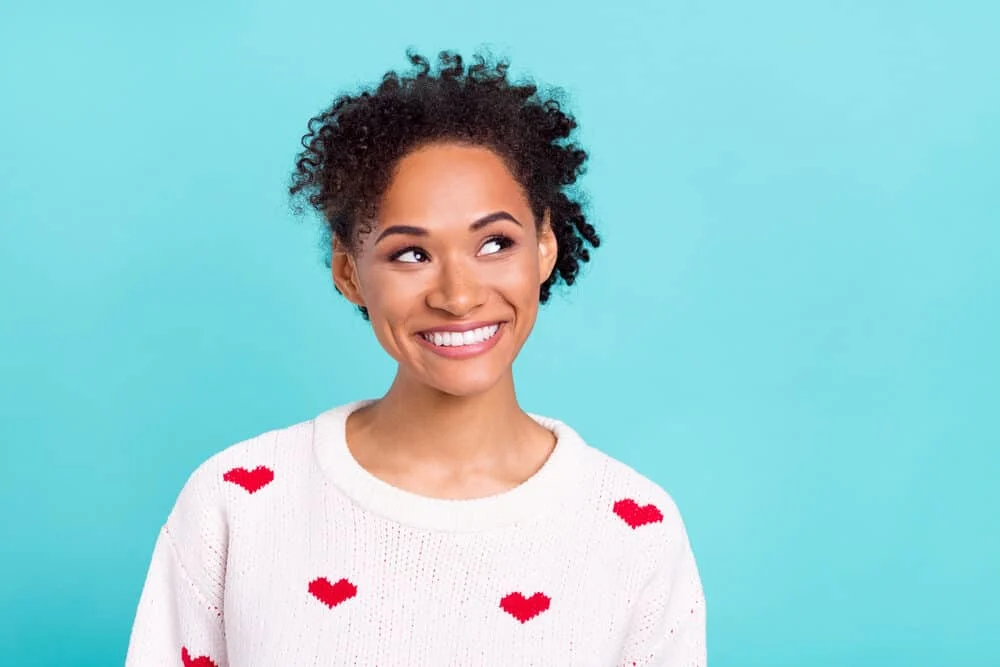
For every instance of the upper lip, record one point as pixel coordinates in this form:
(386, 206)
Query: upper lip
(460, 327)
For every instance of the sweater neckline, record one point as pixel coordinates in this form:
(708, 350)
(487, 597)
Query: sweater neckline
(549, 487)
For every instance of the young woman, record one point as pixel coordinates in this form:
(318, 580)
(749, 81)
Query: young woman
(439, 524)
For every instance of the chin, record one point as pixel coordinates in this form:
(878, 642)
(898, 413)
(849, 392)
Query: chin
(464, 385)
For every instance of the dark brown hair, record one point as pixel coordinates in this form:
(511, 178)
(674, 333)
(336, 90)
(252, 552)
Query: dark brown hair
(352, 147)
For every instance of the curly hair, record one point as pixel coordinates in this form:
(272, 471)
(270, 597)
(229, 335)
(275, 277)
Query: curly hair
(352, 147)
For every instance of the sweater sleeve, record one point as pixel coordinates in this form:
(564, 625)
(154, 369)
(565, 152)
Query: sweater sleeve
(668, 628)
(179, 618)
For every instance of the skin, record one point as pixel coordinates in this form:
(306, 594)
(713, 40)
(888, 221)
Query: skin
(449, 428)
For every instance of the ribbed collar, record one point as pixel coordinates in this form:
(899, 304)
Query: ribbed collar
(551, 486)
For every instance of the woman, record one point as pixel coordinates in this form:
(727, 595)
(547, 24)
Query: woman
(440, 524)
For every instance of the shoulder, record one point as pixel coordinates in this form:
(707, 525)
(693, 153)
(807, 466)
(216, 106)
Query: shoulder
(635, 498)
(635, 514)
(199, 525)
(243, 467)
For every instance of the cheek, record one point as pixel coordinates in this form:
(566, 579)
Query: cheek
(391, 293)
(389, 311)
(392, 299)
(522, 277)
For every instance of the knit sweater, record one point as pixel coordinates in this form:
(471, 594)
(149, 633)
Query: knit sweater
(283, 551)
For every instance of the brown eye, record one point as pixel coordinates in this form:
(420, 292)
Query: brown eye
(409, 255)
(496, 244)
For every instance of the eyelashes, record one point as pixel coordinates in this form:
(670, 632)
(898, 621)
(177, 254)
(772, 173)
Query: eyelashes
(501, 240)
(395, 257)
(420, 255)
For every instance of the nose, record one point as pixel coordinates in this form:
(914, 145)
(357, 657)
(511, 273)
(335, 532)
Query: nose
(456, 289)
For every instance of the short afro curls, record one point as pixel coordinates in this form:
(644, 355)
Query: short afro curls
(352, 147)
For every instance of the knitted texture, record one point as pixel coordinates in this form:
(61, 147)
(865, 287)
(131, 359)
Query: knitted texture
(283, 550)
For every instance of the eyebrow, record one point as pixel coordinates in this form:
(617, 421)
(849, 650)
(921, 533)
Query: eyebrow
(420, 231)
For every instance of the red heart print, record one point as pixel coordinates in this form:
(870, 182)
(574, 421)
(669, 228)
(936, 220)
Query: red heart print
(332, 594)
(636, 516)
(200, 661)
(522, 608)
(251, 480)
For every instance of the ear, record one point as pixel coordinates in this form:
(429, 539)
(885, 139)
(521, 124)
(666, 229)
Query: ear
(548, 248)
(345, 273)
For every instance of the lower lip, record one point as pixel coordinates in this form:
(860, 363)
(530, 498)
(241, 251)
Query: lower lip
(463, 351)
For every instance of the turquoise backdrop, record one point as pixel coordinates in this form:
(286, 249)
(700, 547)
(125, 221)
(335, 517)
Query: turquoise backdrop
(793, 325)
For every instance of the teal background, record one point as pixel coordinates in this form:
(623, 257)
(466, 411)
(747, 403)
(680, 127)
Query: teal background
(793, 323)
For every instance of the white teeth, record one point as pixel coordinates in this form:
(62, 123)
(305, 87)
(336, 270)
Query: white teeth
(459, 338)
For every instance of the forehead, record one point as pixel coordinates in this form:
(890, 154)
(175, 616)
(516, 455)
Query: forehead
(445, 183)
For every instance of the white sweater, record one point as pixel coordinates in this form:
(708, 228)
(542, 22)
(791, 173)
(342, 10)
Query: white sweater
(282, 551)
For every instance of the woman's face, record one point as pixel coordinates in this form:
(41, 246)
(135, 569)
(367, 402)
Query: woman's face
(450, 273)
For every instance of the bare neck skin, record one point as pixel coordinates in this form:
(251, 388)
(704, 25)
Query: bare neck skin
(434, 444)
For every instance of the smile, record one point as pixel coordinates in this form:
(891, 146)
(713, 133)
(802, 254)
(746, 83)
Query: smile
(461, 338)
(457, 345)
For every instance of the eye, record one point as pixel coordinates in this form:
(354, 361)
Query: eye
(411, 255)
(495, 244)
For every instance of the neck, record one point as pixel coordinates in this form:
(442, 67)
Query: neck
(419, 423)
